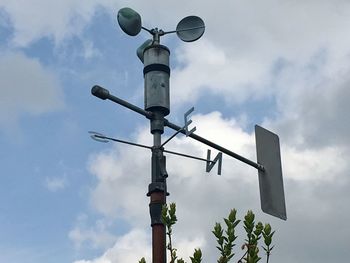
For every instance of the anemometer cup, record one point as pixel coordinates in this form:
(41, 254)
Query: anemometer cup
(129, 21)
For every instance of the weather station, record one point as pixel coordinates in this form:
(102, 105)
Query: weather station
(156, 71)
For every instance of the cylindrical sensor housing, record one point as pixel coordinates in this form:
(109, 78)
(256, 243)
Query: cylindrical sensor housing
(156, 73)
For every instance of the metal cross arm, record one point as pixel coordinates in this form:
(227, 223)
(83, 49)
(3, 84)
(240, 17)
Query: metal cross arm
(104, 94)
(102, 138)
(217, 147)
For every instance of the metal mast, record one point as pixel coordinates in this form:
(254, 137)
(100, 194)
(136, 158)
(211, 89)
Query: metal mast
(156, 81)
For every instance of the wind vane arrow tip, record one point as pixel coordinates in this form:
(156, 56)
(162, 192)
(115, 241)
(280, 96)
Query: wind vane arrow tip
(98, 137)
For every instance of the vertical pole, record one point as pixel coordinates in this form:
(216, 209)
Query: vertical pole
(158, 232)
(156, 74)
(157, 193)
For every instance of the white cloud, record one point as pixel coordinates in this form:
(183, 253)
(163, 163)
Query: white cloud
(209, 68)
(128, 248)
(123, 176)
(55, 184)
(311, 108)
(89, 50)
(320, 164)
(97, 236)
(32, 20)
(279, 51)
(26, 88)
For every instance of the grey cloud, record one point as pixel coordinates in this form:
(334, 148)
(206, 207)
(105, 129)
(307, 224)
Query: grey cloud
(314, 112)
(318, 222)
(26, 88)
(324, 115)
(53, 19)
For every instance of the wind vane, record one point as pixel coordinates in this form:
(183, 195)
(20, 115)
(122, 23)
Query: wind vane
(155, 58)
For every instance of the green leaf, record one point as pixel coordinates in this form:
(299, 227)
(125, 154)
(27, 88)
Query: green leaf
(220, 241)
(217, 230)
(219, 248)
(236, 223)
(197, 256)
(249, 217)
(228, 223)
(258, 229)
(267, 229)
(164, 214)
(232, 215)
(268, 241)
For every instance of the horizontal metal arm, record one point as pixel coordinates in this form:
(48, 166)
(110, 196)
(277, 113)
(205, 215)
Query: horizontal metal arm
(188, 156)
(103, 94)
(122, 141)
(185, 29)
(216, 146)
(100, 136)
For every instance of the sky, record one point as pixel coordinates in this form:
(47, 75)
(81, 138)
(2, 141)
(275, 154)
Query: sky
(283, 65)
